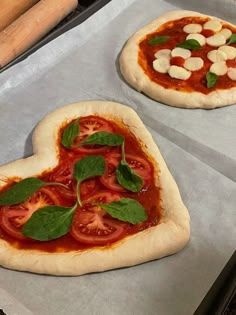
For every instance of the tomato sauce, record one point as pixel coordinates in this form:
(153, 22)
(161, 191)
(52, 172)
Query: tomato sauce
(197, 81)
(148, 197)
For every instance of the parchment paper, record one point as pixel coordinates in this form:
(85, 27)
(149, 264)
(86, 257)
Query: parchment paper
(199, 147)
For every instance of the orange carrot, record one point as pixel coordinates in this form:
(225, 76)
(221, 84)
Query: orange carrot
(10, 10)
(31, 26)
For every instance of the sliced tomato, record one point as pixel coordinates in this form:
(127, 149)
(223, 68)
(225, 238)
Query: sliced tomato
(92, 225)
(87, 188)
(103, 196)
(88, 126)
(141, 166)
(177, 61)
(64, 174)
(12, 218)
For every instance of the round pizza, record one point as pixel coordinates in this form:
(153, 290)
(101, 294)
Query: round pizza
(184, 59)
(96, 195)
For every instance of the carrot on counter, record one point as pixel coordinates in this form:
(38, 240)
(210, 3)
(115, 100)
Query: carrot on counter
(31, 26)
(10, 10)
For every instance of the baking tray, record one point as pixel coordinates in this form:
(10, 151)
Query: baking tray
(221, 298)
(82, 12)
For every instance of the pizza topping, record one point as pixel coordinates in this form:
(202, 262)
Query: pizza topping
(161, 64)
(192, 28)
(157, 40)
(181, 52)
(216, 40)
(219, 68)
(13, 217)
(136, 163)
(177, 61)
(198, 37)
(216, 55)
(179, 73)
(70, 133)
(226, 33)
(87, 167)
(229, 51)
(191, 44)
(207, 33)
(23, 190)
(213, 25)
(232, 39)
(126, 176)
(163, 53)
(125, 209)
(54, 221)
(92, 225)
(87, 126)
(211, 79)
(193, 63)
(232, 73)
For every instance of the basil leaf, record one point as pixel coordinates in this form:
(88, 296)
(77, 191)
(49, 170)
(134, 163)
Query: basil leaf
(48, 223)
(70, 133)
(126, 209)
(127, 178)
(89, 166)
(21, 191)
(232, 39)
(192, 44)
(104, 138)
(157, 40)
(211, 79)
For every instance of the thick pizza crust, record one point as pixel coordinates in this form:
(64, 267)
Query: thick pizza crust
(136, 77)
(167, 238)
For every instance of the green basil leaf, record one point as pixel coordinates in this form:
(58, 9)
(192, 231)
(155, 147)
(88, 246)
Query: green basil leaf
(191, 44)
(127, 178)
(48, 223)
(104, 138)
(21, 191)
(157, 40)
(89, 166)
(70, 133)
(126, 209)
(211, 79)
(232, 39)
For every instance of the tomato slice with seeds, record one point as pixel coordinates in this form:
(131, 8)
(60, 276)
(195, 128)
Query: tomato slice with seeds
(12, 218)
(141, 166)
(64, 174)
(88, 126)
(87, 188)
(93, 226)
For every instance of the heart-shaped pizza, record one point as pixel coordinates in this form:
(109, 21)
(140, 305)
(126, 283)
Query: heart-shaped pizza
(184, 59)
(96, 195)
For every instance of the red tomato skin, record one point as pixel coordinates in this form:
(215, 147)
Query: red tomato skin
(138, 164)
(177, 61)
(12, 218)
(93, 226)
(88, 126)
(207, 33)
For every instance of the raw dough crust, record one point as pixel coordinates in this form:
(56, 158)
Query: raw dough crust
(166, 238)
(136, 77)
